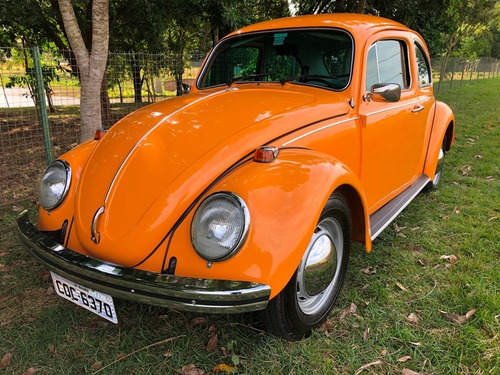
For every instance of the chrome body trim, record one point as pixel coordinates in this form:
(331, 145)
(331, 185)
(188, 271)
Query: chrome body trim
(386, 214)
(146, 135)
(95, 236)
(393, 107)
(183, 293)
(317, 130)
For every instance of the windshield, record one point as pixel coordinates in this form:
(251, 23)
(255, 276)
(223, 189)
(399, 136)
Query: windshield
(313, 57)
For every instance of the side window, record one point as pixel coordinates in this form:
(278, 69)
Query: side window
(423, 67)
(387, 62)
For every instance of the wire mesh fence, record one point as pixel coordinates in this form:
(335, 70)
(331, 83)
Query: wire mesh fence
(132, 80)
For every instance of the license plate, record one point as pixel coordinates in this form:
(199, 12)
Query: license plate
(97, 302)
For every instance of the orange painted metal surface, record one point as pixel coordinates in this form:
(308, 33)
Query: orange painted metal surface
(153, 168)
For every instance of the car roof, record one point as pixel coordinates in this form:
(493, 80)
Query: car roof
(353, 22)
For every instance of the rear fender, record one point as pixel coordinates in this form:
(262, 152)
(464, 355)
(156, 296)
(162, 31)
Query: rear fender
(444, 125)
(285, 199)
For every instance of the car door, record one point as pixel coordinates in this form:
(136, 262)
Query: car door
(392, 132)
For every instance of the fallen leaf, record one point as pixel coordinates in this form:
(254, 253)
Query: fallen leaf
(448, 265)
(401, 234)
(383, 352)
(350, 310)
(466, 169)
(224, 368)
(120, 355)
(235, 359)
(30, 371)
(5, 360)
(198, 320)
(398, 228)
(401, 287)
(212, 330)
(458, 318)
(416, 228)
(489, 178)
(167, 355)
(3, 253)
(368, 365)
(421, 262)
(96, 366)
(366, 334)
(50, 290)
(212, 343)
(452, 258)
(77, 354)
(456, 211)
(369, 270)
(478, 156)
(364, 287)
(412, 318)
(162, 317)
(404, 359)
(327, 326)
(416, 343)
(190, 370)
(407, 371)
(53, 350)
(225, 351)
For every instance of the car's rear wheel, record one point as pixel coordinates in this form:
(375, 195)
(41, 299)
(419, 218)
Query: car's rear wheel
(309, 296)
(434, 183)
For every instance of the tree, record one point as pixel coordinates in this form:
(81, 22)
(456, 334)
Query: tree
(91, 62)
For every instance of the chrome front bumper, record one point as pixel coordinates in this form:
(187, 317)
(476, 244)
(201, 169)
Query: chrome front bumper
(183, 293)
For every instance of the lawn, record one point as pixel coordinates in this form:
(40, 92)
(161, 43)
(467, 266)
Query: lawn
(426, 299)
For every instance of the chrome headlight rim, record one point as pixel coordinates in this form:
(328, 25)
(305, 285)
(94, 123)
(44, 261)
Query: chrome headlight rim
(67, 169)
(240, 203)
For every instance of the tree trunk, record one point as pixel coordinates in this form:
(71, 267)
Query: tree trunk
(137, 81)
(92, 65)
(105, 104)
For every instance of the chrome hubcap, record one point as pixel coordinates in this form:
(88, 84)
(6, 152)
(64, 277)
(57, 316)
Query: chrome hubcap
(439, 168)
(319, 269)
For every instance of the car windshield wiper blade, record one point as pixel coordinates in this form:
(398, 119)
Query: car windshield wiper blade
(305, 77)
(230, 82)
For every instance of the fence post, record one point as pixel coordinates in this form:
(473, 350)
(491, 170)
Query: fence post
(44, 118)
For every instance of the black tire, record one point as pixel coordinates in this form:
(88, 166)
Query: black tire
(434, 183)
(294, 313)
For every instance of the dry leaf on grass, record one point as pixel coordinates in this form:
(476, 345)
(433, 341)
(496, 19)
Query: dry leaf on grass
(96, 366)
(404, 359)
(212, 343)
(198, 320)
(5, 360)
(167, 355)
(458, 318)
(212, 330)
(416, 343)
(383, 352)
(190, 370)
(3, 253)
(368, 365)
(366, 334)
(350, 310)
(53, 350)
(401, 234)
(412, 318)
(77, 354)
(400, 286)
(407, 371)
(452, 258)
(369, 270)
(30, 371)
(224, 368)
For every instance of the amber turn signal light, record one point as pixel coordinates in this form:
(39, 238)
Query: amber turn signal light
(266, 154)
(99, 133)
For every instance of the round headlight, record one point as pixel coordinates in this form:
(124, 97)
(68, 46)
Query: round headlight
(54, 184)
(219, 226)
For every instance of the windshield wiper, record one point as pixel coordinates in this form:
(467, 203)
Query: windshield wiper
(306, 77)
(230, 82)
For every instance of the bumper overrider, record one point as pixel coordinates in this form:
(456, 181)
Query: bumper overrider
(183, 293)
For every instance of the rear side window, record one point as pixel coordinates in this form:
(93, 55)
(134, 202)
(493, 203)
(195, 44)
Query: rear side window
(423, 66)
(387, 62)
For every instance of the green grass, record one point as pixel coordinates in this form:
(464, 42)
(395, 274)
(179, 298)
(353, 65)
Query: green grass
(461, 218)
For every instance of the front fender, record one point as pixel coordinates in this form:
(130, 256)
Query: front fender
(285, 199)
(444, 124)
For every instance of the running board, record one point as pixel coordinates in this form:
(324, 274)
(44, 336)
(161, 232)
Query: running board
(380, 219)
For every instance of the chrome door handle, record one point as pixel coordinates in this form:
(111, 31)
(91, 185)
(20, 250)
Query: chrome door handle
(95, 236)
(418, 108)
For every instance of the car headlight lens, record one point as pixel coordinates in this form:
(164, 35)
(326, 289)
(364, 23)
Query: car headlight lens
(219, 226)
(54, 184)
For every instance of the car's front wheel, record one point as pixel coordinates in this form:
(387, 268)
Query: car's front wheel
(309, 296)
(433, 185)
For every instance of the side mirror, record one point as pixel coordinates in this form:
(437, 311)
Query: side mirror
(385, 92)
(186, 89)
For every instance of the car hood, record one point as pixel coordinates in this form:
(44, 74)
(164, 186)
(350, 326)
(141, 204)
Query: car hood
(152, 164)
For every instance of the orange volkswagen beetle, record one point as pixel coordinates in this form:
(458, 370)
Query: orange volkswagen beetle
(299, 136)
